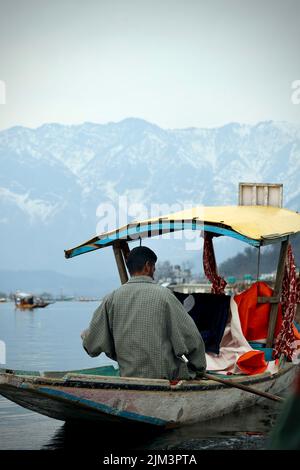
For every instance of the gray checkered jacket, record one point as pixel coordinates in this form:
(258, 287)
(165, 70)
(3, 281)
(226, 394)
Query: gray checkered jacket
(145, 328)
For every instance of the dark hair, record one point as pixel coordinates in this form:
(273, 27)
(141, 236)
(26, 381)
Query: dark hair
(138, 257)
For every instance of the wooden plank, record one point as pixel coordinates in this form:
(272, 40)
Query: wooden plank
(268, 300)
(297, 317)
(120, 261)
(277, 291)
(256, 391)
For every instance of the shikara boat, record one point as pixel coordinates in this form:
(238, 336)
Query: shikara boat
(101, 395)
(24, 301)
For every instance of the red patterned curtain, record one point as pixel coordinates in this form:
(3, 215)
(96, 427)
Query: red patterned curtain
(210, 266)
(285, 341)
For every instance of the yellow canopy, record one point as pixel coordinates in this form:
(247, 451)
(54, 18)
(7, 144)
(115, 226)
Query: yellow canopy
(256, 225)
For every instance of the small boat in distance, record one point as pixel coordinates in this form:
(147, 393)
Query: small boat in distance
(25, 301)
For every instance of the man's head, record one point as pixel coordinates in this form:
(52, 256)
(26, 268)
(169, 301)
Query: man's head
(141, 261)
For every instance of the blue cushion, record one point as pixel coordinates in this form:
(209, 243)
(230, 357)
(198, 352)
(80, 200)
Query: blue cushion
(262, 347)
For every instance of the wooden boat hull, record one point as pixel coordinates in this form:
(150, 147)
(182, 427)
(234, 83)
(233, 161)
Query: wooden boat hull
(31, 307)
(25, 307)
(134, 400)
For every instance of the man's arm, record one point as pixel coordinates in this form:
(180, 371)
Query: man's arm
(98, 337)
(185, 336)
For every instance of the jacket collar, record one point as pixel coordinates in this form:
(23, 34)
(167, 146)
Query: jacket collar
(141, 279)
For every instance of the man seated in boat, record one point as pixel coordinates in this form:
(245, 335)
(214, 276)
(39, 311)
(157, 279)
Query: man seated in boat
(145, 328)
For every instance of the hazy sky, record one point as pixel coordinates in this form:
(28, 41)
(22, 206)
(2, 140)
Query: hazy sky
(176, 63)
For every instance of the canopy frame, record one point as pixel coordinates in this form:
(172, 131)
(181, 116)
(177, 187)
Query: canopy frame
(136, 231)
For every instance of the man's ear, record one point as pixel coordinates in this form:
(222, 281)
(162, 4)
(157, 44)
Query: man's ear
(148, 267)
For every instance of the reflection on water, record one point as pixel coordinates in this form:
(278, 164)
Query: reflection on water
(242, 429)
(93, 437)
(49, 339)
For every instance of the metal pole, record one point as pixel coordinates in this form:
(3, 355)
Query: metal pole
(258, 264)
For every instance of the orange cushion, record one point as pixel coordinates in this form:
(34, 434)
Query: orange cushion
(252, 362)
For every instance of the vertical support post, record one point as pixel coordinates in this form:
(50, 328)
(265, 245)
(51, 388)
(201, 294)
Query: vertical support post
(277, 291)
(117, 247)
(125, 249)
(258, 264)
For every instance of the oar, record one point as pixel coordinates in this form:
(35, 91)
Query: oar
(230, 383)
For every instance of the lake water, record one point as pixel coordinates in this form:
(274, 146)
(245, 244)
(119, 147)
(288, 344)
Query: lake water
(49, 339)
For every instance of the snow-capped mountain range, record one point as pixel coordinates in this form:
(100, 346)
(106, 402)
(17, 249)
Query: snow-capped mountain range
(54, 177)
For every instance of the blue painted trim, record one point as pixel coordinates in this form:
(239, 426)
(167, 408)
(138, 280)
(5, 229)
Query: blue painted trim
(104, 408)
(161, 226)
